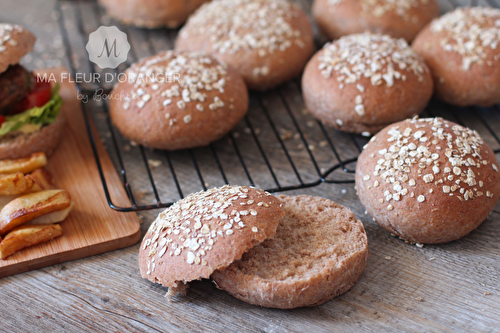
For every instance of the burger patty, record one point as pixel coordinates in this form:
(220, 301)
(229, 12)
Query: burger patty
(15, 84)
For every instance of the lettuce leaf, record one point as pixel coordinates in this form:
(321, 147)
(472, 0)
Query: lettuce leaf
(44, 115)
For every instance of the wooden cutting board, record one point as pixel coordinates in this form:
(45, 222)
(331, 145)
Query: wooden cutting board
(92, 226)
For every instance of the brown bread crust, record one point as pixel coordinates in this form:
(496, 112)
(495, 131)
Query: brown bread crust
(455, 80)
(264, 66)
(443, 195)
(224, 223)
(46, 140)
(187, 121)
(15, 42)
(333, 101)
(349, 17)
(151, 13)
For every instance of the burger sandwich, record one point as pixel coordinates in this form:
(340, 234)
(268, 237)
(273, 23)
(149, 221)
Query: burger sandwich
(30, 119)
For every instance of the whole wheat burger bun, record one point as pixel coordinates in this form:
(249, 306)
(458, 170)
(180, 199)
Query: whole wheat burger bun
(364, 82)
(428, 180)
(462, 50)
(151, 13)
(206, 231)
(318, 252)
(267, 41)
(15, 42)
(396, 18)
(45, 140)
(176, 100)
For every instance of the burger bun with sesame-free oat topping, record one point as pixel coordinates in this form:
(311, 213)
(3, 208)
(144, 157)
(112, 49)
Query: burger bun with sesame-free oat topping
(151, 13)
(398, 19)
(462, 49)
(318, 252)
(429, 180)
(267, 41)
(15, 43)
(177, 100)
(364, 82)
(206, 231)
(279, 252)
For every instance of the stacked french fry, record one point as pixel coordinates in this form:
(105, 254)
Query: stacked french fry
(30, 206)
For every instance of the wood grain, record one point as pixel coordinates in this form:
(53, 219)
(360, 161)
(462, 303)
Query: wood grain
(92, 227)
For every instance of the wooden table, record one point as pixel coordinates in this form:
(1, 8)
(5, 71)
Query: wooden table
(445, 288)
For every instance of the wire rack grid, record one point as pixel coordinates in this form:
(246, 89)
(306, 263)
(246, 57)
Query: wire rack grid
(278, 146)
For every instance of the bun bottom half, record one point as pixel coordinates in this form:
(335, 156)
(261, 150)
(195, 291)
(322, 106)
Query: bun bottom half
(46, 140)
(318, 252)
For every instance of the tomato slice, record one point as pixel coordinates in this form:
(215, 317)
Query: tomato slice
(38, 96)
(2, 120)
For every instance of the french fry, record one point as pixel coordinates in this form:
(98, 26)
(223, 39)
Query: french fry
(31, 206)
(28, 235)
(17, 183)
(54, 217)
(13, 184)
(43, 178)
(32, 185)
(24, 165)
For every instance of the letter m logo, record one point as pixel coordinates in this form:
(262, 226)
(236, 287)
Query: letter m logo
(108, 47)
(109, 50)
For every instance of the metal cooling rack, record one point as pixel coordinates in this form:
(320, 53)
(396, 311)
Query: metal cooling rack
(278, 146)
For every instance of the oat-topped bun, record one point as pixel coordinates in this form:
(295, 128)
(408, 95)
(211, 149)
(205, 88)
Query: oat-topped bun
(207, 231)
(463, 52)
(267, 41)
(15, 42)
(362, 83)
(177, 100)
(428, 180)
(396, 18)
(151, 13)
(319, 251)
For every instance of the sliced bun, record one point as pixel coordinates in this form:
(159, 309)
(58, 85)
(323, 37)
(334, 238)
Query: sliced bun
(206, 231)
(15, 42)
(45, 140)
(318, 252)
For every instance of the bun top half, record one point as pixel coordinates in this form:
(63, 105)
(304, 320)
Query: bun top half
(15, 43)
